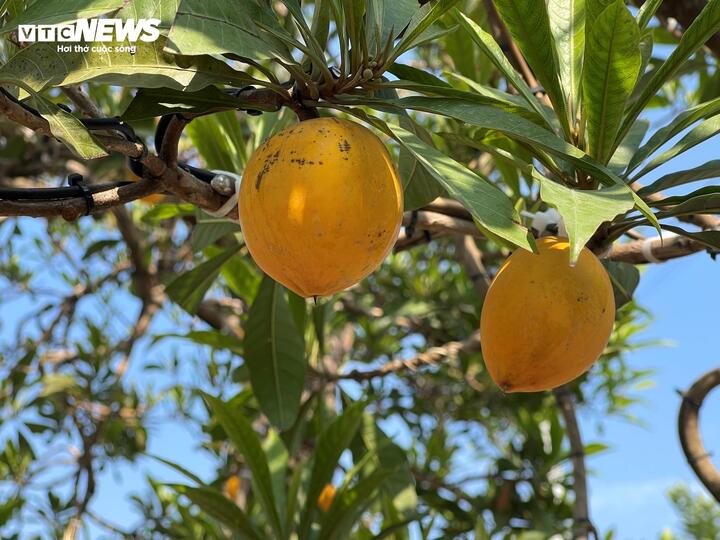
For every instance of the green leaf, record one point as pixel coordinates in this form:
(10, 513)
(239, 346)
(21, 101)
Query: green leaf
(519, 129)
(68, 129)
(275, 355)
(8, 508)
(152, 102)
(209, 27)
(277, 456)
(594, 8)
(179, 468)
(211, 338)
(705, 25)
(219, 140)
(529, 25)
(419, 186)
(164, 211)
(584, 211)
(628, 147)
(699, 134)
(482, 95)
(41, 65)
(625, 278)
(612, 65)
(54, 383)
(209, 230)
(331, 443)
(710, 239)
(681, 122)
(710, 169)
(399, 489)
(61, 11)
(338, 522)
(189, 288)
(218, 506)
(164, 10)
(567, 23)
(702, 201)
(647, 12)
(486, 203)
(242, 278)
(421, 21)
(493, 51)
(386, 19)
(241, 433)
(595, 448)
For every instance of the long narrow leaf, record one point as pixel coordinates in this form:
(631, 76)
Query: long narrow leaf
(705, 25)
(529, 24)
(241, 433)
(681, 122)
(710, 239)
(612, 64)
(221, 508)
(699, 134)
(330, 445)
(710, 169)
(647, 12)
(348, 506)
(189, 288)
(567, 23)
(426, 16)
(275, 355)
(493, 51)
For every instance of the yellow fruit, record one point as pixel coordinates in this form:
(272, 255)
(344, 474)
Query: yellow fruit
(155, 198)
(326, 497)
(545, 322)
(320, 205)
(232, 487)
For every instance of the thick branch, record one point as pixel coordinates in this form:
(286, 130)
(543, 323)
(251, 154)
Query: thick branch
(159, 177)
(689, 431)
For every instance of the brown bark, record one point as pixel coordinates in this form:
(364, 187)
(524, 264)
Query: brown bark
(581, 509)
(689, 431)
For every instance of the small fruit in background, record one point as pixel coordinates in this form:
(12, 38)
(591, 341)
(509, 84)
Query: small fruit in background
(327, 495)
(232, 487)
(155, 198)
(543, 321)
(320, 205)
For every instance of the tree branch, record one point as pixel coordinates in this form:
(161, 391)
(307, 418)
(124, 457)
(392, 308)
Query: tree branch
(689, 431)
(581, 510)
(431, 357)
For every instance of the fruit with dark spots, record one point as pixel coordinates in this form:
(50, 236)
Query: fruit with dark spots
(543, 321)
(320, 206)
(344, 146)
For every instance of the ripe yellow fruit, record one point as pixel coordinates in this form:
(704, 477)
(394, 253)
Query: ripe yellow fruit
(326, 497)
(545, 322)
(155, 198)
(232, 487)
(320, 205)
